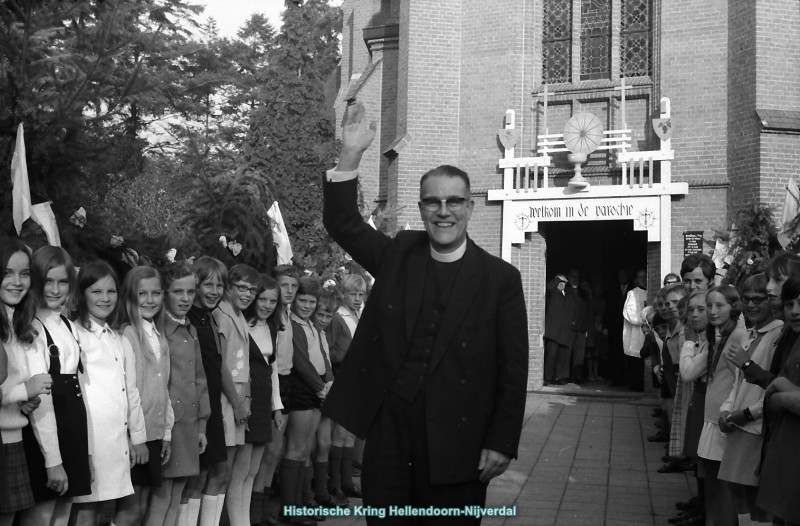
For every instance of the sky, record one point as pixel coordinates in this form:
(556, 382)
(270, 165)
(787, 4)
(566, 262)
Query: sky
(232, 14)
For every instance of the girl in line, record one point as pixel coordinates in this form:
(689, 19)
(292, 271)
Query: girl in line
(308, 384)
(141, 316)
(740, 415)
(19, 389)
(116, 423)
(187, 393)
(58, 455)
(240, 292)
(263, 318)
(342, 330)
(723, 308)
(201, 497)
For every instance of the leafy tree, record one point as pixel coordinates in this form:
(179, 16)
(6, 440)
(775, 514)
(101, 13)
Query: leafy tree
(292, 138)
(752, 243)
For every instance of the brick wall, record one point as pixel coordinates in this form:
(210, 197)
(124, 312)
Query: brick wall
(529, 258)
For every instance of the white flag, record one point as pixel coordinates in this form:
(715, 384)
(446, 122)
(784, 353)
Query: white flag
(43, 214)
(280, 236)
(371, 223)
(21, 192)
(408, 226)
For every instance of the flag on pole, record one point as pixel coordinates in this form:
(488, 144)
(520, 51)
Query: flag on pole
(280, 235)
(21, 191)
(790, 207)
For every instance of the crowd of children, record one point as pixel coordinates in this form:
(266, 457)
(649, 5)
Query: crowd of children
(726, 361)
(169, 393)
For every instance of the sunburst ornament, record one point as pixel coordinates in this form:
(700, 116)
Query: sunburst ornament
(583, 133)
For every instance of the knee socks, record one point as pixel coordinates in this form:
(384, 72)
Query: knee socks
(192, 511)
(220, 505)
(265, 503)
(290, 473)
(335, 469)
(321, 480)
(348, 456)
(300, 483)
(307, 495)
(208, 510)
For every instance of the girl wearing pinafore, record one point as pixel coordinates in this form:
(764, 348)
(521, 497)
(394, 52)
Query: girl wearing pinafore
(116, 423)
(57, 442)
(20, 389)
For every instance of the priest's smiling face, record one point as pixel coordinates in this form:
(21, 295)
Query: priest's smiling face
(446, 208)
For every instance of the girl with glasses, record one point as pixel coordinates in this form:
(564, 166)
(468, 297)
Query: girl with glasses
(240, 292)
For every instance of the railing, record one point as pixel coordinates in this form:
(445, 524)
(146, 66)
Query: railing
(530, 174)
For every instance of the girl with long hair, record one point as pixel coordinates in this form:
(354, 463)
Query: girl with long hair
(20, 390)
(141, 315)
(723, 308)
(116, 422)
(263, 317)
(57, 442)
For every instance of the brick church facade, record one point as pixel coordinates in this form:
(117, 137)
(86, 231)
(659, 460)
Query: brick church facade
(440, 78)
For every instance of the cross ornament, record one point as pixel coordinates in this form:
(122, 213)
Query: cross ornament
(545, 94)
(622, 87)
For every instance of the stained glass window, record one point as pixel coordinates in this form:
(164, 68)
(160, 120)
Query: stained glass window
(595, 39)
(635, 41)
(557, 41)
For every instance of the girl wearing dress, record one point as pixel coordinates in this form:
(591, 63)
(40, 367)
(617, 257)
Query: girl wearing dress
(188, 394)
(116, 424)
(141, 315)
(263, 319)
(240, 292)
(202, 493)
(20, 390)
(723, 308)
(740, 416)
(57, 446)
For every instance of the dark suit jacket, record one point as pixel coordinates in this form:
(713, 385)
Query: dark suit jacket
(476, 385)
(562, 315)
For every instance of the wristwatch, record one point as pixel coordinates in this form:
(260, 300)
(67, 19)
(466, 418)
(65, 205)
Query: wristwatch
(747, 364)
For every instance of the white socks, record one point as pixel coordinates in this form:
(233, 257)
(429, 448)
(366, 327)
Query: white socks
(744, 519)
(182, 515)
(220, 504)
(208, 511)
(191, 512)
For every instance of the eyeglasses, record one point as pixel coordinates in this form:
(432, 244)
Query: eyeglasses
(454, 204)
(757, 300)
(244, 288)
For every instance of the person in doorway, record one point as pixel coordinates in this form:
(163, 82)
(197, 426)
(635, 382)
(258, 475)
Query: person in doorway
(632, 335)
(584, 321)
(614, 323)
(561, 319)
(435, 377)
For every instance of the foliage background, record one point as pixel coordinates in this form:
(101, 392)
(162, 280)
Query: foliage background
(166, 133)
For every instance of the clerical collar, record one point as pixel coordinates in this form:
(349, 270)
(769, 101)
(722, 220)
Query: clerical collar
(450, 257)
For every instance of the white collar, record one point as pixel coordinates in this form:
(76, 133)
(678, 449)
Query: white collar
(149, 327)
(181, 321)
(450, 257)
(97, 328)
(774, 324)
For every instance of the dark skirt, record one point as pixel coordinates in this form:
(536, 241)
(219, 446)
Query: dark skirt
(259, 425)
(694, 420)
(2, 471)
(149, 475)
(215, 432)
(297, 395)
(73, 442)
(780, 470)
(18, 495)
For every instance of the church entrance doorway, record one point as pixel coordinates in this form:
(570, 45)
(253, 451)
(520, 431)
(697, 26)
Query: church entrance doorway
(598, 250)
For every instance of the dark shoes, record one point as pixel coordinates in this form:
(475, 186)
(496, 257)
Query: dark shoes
(686, 506)
(658, 437)
(562, 381)
(330, 501)
(354, 492)
(341, 498)
(579, 381)
(656, 412)
(675, 465)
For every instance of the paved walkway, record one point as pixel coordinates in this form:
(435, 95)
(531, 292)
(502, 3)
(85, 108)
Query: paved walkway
(583, 462)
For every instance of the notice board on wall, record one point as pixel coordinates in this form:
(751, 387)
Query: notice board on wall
(692, 243)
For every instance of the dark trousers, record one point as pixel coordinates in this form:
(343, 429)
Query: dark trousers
(556, 361)
(578, 353)
(396, 469)
(635, 372)
(619, 368)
